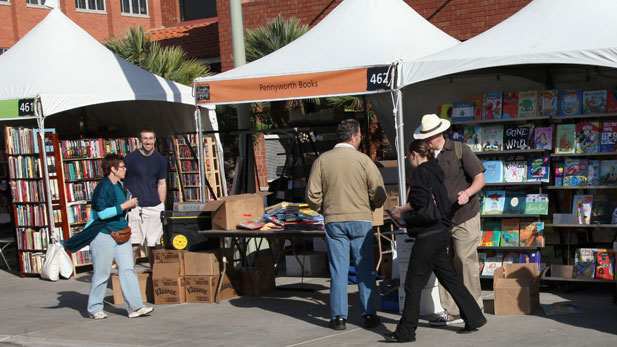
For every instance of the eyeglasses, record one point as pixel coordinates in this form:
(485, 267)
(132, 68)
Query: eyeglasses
(121, 167)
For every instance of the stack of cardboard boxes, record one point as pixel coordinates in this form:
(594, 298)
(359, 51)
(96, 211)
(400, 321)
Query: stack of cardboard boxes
(181, 276)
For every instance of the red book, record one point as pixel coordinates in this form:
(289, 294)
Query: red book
(510, 105)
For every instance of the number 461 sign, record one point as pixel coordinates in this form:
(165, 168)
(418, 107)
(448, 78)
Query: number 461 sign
(380, 78)
(25, 107)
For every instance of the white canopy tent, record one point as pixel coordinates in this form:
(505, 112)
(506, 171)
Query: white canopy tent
(547, 44)
(70, 75)
(353, 50)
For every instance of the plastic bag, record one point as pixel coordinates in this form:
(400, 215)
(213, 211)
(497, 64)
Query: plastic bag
(57, 262)
(66, 264)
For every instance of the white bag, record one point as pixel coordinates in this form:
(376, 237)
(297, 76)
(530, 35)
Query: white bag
(66, 264)
(57, 262)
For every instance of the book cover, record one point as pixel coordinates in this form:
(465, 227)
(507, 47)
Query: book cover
(398, 222)
(587, 137)
(510, 105)
(491, 233)
(536, 204)
(509, 232)
(559, 172)
(593, 172)
(481, 258)
(594, 101)
(548, 103)
(531, 234)
(491, 105)
(477, 106)
(538, 169)
(581, 208)
(611, 100)
(462, 111)
(515, 202)
(561, 308)
(608, 137)
(608, 173)
(472, 136)
(514, 171)
(494, 201)
(494, 171)
(455, 135)
(445, 111)
(528, 104)
(605, 264)
(490, 265)
(492, 138)
(602, 208)
(575, 172)
(585, 263)
(518, 137)
(543, 138)
(566, 137)
(570, 102)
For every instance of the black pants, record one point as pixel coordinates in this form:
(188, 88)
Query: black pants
(429, 255)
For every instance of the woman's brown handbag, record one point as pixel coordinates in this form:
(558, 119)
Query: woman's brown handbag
(121, 236)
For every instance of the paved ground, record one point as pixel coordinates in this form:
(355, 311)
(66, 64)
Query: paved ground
(34, 312)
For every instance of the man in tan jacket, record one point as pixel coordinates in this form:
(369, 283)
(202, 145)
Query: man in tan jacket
(345, 186)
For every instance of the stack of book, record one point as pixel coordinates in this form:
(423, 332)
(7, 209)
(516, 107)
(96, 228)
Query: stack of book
(287, 216)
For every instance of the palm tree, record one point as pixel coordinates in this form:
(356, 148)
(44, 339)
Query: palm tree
(168, 62)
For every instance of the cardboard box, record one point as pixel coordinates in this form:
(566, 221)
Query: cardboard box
(208, 263)
(517, 288)
(204, 288)
(314, 263)
(169, 290)
(429, 300)
(563, 271)
(252, 283)
(267, 277)
(378, 217)
(229, 211)
(145, 287)
(169, 256)
(167, 270)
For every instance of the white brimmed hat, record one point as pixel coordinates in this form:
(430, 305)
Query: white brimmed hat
(431, 125)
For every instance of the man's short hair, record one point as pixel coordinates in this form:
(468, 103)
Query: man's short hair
(346, 129)
(146, 130)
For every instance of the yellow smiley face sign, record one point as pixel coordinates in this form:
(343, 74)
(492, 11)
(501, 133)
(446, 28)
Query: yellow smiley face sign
(180, 242)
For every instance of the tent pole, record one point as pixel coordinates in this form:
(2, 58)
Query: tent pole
(400, 146)
(40, 120)
(200, 155)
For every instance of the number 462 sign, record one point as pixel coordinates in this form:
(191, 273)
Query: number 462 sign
(380, 78)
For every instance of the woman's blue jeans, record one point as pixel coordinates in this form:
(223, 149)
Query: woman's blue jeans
(357, 238)
(104, 250)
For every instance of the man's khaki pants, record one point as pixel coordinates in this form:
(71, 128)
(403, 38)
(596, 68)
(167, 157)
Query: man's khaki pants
(464, 253)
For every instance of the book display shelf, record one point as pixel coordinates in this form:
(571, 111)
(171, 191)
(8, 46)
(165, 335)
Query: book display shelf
(556, 150)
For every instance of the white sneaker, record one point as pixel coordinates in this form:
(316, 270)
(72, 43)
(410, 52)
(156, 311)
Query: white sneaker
(141, 312)
(444, 319)
(98, 315)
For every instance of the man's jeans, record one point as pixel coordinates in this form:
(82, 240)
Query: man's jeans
(342, 237)
(104, 250)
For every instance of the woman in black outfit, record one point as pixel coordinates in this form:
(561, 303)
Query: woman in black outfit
(429, 250)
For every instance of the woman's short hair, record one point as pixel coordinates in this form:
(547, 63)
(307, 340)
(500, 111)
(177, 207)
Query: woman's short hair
(111, 160)
(422, 148)
(346, 129)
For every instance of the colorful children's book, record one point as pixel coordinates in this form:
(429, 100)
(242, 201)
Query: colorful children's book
(531, 234)
(490, 265)
(472, 136)
(491, 233)
(608, 138)
(492, 138)
(462, 111)
(536, 204)
(543, 138)
(593, 172)
(538, 169)
(510, 105)
(515, 202)
(514, 171)
(494, 201)
(528, 104)
(477, 106)
(491, 105)
(570, 102)
(455, 135)
(509, 232)
(494, 171)
(605, 264)
(602, 208)
(566, 137)
(518, 137)
(559, 172)
(585, 263)
(611, 100)
(608, 173)
(481, 258)
(445, 111)
(575, 172)
(548, 103)
(581, 208)
(594, 101)
(587, 137)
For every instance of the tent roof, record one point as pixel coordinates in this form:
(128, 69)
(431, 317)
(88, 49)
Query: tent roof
(60, 62)
(543, 32)
(334, 55)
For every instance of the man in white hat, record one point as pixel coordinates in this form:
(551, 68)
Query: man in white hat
(464, 178)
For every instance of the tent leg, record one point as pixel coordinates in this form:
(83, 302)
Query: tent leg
(400, 146)
(200, 155)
